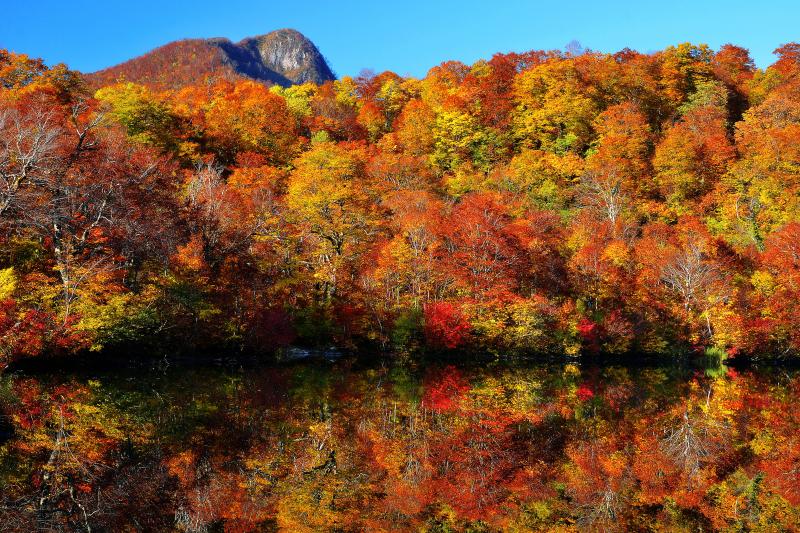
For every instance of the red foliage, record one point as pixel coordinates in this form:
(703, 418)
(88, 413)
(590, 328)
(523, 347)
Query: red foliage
(788, 58)
(170, 66)
(271, 327)
(487, 255)
(30, 333)
(589, 332)
(584, 393)
(445, 325)
(444, 389)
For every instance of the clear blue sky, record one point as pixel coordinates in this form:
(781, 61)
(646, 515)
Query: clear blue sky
(407, 37)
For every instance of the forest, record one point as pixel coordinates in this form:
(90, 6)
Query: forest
(537, 203)
(491, 231)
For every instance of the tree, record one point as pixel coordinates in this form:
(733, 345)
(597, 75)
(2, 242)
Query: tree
(555, 107)
(682, 68)
(694, 275)
(760, 193)
(546, 180)
(692, 157)
(246, 116)
(616, 171)
(483, 253)
(328, 197)
(27, 147)
(780, 283)
(445, 325)
(408, 264)
(145, 118)
(77, 187)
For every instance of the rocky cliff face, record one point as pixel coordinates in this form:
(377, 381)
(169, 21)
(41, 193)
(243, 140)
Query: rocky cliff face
(291, 54)
(284, 57)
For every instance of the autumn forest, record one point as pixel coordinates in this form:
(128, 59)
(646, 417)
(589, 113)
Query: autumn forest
(492, 231)
(531, 203)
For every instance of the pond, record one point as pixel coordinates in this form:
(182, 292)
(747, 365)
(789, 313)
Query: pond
(397, 446)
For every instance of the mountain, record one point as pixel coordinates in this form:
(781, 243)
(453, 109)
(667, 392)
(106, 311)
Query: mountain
(282, 57)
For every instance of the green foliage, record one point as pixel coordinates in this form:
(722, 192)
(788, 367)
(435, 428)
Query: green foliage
(713, 361)
(123, 320)
(711, 93)
(407, 331)
(146, 120)
(23, 254)
(313, 326)
(298, 97)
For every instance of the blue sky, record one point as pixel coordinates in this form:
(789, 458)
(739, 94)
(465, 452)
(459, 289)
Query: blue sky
(407, 37)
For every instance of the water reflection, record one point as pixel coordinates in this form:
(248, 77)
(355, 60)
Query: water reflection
(318, 446)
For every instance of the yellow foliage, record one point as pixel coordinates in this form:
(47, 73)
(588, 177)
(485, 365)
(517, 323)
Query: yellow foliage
(547, 179)
(298, 97)
(555, 112)
(617, 252)
(346, 92)
(763, 282)
(763, 442)
(8, 283)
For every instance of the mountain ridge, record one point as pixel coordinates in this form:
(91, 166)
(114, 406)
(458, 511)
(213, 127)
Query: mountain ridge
(283, 57)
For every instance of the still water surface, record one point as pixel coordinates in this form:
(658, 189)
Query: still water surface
(391, 446)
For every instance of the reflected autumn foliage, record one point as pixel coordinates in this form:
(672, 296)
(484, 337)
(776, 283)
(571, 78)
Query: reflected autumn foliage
(344, 447)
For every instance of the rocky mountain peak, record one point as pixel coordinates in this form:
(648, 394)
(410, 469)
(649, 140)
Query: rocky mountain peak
(284, 57)
(289, 53)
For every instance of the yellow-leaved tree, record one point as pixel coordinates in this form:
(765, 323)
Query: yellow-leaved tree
(328, 200)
